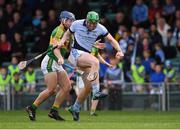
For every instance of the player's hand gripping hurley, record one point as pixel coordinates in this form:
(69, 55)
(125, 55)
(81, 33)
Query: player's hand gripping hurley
(23, 64)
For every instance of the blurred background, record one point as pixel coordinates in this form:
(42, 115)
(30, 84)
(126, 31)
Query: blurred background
(148, 31)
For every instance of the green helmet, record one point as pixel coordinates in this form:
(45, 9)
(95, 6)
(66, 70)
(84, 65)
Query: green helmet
(92, 16)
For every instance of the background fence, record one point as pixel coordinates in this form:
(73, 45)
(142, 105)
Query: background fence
(161, 97)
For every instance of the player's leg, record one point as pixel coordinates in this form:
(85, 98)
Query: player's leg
(86, 60)
(82, 95)
(94, 104)
(51, 82)
(65, 87)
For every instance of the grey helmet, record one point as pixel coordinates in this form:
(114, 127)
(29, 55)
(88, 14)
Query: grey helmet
(66, 15)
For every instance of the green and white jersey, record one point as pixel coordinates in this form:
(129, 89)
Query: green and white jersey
(56, 35)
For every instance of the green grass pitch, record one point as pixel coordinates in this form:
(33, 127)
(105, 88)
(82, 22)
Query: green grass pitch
(105, 119)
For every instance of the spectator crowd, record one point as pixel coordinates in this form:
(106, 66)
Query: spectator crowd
(148, 32)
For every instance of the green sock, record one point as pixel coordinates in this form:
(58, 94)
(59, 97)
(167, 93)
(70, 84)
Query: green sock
(34, 106)
(55, 108)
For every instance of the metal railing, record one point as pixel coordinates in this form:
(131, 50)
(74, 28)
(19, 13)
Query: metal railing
(156, 96)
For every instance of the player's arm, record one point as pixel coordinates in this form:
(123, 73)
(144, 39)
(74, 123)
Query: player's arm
(101, 59)
(115, 44)
(65, 37)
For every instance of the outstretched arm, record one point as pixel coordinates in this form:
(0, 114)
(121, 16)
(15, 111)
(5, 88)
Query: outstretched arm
(103, 61)
(115, 44)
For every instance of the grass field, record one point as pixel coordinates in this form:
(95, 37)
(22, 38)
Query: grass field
(106, 119)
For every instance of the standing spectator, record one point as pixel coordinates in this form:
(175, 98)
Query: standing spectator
(119, 20)
(169, 72)
(162, 28)
(30, 77)
(113, 79)
(127, 62)
(154, 9)
(140, 14)
(154, 35)
(138, 75)
(12, 68)
(159, 54)
(103, 67)
(146, 62)
(157, 77)
(5, 48)
(17, 83)
(168, 11)
(4, 80)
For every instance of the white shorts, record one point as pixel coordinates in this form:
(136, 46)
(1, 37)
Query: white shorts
(49, 65)
(79, 82)
(74, 54)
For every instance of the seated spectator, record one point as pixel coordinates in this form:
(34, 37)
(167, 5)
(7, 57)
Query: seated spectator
(124, 42)
(30, 78)
(154, 9)
(140, 14)
(18, 45)
(37, 18)
(154, 35)
(168, 11)
(163, 28)
(5, 48)
(155, 78)
(118, 21)
(120, 32)
(52, 20)
(41, 37)
(170, 48)
(176, 31)
(17, 20)
(3, 21)
(134, 33)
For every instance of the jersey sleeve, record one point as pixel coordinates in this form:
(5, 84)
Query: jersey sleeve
(56, 35)
(73, 27)
(104, 31)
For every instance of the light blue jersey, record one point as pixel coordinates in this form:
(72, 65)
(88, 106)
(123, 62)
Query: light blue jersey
(83, 38)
